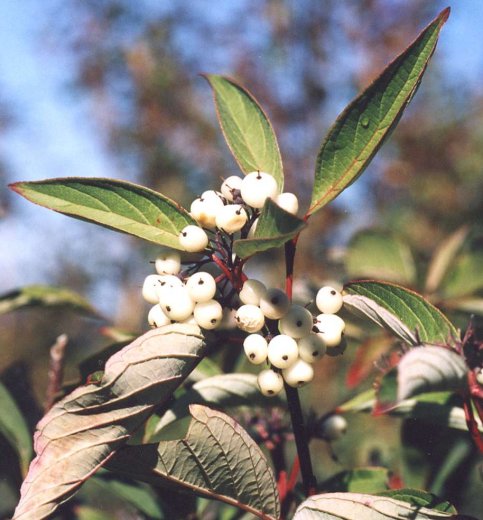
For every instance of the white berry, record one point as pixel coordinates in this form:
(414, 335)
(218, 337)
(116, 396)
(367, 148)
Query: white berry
(282, 351)
(333, 427)
(201, 287)
(311, 348)
(270, 382)
(177, 303)
(204, 211)
(249, 318)
(193, 239)
(298, 374)
(168, 263)
(297, 322)
(208, 315)
(231, 218)
(256, 187)
(328, 300)
(157, 318)
(229, 186)
(274, 304)
(211, 195)
(256, 348)
(288, 202)
(150, 288)
(330, 327)
(253, 228)
(252, 291)
(165, 284)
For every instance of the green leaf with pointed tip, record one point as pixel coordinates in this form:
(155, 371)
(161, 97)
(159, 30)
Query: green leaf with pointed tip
(419, 498)
(216, 459)
(363, 126)
(246, 128)
(119, 205)
(14, 428)
(275, 227)
(44, 296)
(465, 276)
(403, 312)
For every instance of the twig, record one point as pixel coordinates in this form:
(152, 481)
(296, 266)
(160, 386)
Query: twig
(56, 370)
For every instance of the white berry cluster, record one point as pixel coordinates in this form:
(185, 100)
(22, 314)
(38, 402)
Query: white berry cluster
(188, 300)
(234, 208)
(302, 340)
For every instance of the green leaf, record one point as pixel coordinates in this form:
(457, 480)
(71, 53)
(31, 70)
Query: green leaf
(403, 312)
(14, 428)
(275, 227)
(91, 513)
(419, 498)
(81, 431)
(366, 122)
(378, 254)
(358, 506)
(216, 459)
(359, 480)
(246, 128)
(468, 304)
(44, 296)
(465, 277)
(114, 204)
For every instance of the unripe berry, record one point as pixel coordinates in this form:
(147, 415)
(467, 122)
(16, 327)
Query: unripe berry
(150, 288)
(274, 304)
(328, 300)
(168, 263)
(311, 348)
(177, 303)
(208, 315)
(252, 291)
(330, 327)
(256, 348)
(288, 202)
(229, 186)
(204, 211)
(297, 322)
(253, 228)
(201, 287)
(298, 374)
(249, 318)
(193, 239)
(256, 187)
(231, 218)
(333, 427)
(157, 318)
(282, 351)
(270, 382)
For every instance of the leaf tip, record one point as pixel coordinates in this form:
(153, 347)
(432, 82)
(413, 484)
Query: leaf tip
(444, 15)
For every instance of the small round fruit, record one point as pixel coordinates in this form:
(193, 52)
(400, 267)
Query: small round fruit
(177, 303)
(168, 263)
(328, 300)
(208, 315)
(211, 195)
(333, 427)
(282, 351)
(256, 348)
(231, 218)
(274, 304)
(201, 287)
(252, 291)
(330, 327)
(150, 288)
(165, 284)
(204, 211)
(288, 202)
(253, 228)
(256, 187)
(157, 318)
(311, 348)
(193, 239)
(298, 374)
(229, 186)
(297, 322)
(270, 382)
(249, 318)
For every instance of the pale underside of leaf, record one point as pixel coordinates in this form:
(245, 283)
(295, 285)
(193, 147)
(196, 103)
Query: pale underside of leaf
(216, 459)
(82, 431)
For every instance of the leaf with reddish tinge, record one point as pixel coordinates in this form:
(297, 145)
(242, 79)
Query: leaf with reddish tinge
(82, 431)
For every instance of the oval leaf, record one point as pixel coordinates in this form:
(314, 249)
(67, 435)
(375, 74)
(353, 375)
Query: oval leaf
(275, 227)
(82, 431)
(118, 205)
(403, 312)
(358, 506)
(363, 126)
(465, 277)
(216, 459)
(246, 128)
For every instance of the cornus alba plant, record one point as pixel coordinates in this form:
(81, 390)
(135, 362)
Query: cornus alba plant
(116, 422)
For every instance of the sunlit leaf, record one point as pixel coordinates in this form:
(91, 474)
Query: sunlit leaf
(118, 205)
(246, 128)
(81, 431)
(216, 459)
(403, 312)
(465, 276)
(367, 121)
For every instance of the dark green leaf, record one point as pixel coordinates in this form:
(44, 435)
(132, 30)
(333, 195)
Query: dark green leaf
(419, 498)
(275, 227)
(246, 128)
(364, 125)
(114, 204)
